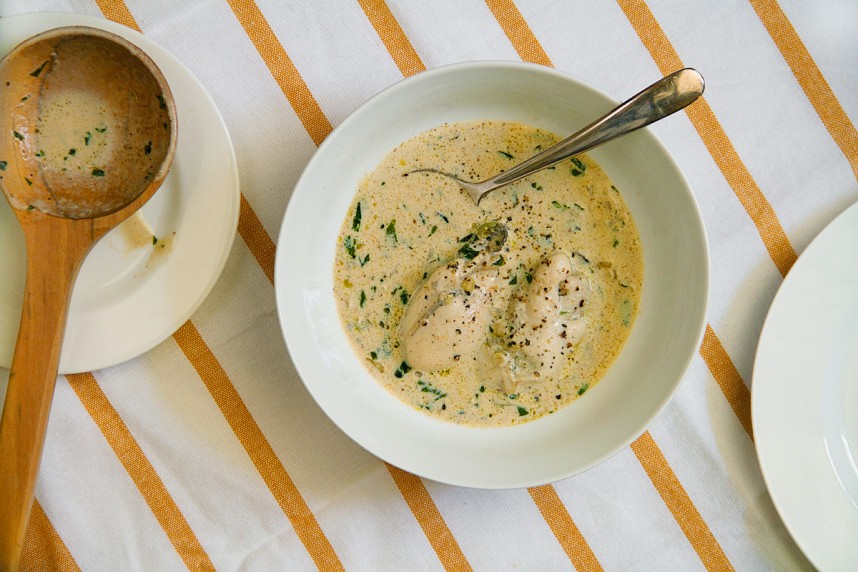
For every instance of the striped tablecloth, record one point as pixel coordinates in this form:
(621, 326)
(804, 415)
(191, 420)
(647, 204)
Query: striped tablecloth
(208, 453)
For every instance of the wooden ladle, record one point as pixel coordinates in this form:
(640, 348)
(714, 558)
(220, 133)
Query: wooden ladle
(87, 134)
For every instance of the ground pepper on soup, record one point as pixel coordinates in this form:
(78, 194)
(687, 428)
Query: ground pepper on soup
(487, 315)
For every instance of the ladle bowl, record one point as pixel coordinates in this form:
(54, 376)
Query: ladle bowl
(87, 135)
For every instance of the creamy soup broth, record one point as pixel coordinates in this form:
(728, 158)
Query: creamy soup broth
(505, 335)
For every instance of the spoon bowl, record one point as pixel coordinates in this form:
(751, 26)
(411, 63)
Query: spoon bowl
(87, 137)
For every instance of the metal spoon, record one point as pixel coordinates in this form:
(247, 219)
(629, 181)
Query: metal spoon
(664, 97)
(87, 134)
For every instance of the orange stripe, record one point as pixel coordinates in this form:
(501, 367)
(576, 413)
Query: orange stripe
(715, 138)
(679, 504)
(257, 239)
(282, 69)
(728, 377)
(570, 538)
(519, 33)
(394, 38)
(749, 194)
(117, 11)
(810, 79)
(43, 547)
(430, 519)
(141, 471)
(257, 447)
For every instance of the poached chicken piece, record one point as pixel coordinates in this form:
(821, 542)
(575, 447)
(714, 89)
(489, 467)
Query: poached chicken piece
(520, 335)
(545, 321)
(449, 315)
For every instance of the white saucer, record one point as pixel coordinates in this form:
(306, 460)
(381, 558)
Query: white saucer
(805, 398)
(129, 299)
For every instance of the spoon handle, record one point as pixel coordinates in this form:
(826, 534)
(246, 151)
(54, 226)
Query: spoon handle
(666, 96)
(53, 259)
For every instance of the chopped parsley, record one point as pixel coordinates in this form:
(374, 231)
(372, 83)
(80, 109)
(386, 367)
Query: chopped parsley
(147, 148)
(400, 371)
(103, 129)
(522, 411)
(444, 218)
(403, 296)
(96, 172)
(349, 244)
(162, 103)
(427, 388)
(536, 186)
(433, 230)
(362, 298)
(513, 281)
(391, 230)
(529, 277)
(17, 135)
(505, 154)
(583, 388)
(87, 137)
(356, 219)
(499, 262)
(579, 168)
(560, 206)
(3, 165)
(467, 252)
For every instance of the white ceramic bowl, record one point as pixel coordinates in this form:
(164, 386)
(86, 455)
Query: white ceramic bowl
(618, 409)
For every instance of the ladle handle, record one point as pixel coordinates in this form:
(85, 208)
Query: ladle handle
(666, 96)
(53, 259)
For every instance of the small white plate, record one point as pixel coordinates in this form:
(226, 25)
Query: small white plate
(126, 299)
(805, 398)
(664, 339)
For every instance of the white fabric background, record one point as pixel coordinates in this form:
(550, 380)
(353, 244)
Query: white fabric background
(99, 513)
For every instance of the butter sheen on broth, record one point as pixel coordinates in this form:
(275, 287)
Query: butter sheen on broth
(551, 309)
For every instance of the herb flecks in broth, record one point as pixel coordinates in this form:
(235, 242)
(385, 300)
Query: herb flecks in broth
(467, 326)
